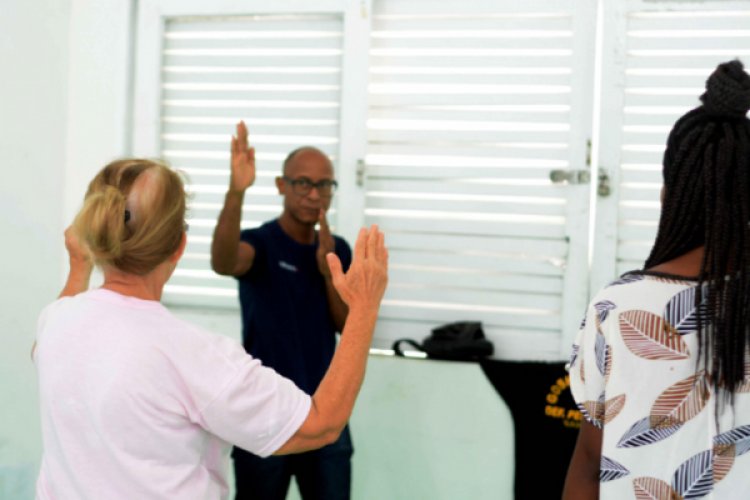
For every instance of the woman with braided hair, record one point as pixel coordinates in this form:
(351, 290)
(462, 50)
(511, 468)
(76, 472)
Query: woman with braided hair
(661, 366)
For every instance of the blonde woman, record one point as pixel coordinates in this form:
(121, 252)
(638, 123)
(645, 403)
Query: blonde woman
(136, 403)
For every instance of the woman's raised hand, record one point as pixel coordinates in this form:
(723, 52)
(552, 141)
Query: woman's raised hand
(363, 285)
(77, 250)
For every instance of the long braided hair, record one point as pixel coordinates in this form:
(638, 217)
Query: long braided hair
(707, 203)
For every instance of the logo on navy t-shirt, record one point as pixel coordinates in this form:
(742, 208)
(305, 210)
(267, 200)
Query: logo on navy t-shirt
(288, 266)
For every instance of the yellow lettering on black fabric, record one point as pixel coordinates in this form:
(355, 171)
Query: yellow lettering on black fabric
(570, 417)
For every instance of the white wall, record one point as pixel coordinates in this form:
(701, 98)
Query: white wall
(34, 58)
(421, 430)
(61, 117)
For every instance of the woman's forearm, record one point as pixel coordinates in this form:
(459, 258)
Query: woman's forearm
(338, 390)
(79, 276)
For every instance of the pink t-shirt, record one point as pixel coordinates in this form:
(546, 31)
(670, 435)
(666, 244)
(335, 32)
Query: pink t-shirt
(136, 403)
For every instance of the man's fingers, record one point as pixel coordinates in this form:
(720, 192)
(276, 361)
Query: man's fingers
(325, 230)
(323, 221)
(242, 135)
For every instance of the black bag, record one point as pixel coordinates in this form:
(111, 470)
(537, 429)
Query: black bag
(460, 341)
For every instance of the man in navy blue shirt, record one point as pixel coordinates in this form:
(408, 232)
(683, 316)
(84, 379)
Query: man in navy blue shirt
(290, 308)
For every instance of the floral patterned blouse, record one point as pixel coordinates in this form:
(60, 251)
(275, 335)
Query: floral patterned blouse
(634, 374)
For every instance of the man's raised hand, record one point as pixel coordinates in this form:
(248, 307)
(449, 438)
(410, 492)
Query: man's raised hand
(326, 244)
(242, 161)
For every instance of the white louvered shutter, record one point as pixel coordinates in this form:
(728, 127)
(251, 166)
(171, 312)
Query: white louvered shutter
(656, 58)
(471, 106)
(281, 74)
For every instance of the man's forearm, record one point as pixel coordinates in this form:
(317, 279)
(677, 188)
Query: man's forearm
(227, 234)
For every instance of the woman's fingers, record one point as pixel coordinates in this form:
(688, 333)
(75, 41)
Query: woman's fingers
(338, 278)
(334, 264)
(370, 244)
(367, 277)
(382, 252)
(359, 246)
(372, 241)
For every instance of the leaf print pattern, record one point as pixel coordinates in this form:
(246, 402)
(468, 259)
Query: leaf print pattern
(612, 407)
(680, 402)
(593, 411)
(602, 310)
(665, 279)
(650, 337)
(681, 313)
(651, 488)
(574, 355)
(723, 461)
(609, 470)
(600, 350)
(675, 406)
(655, 408)
(588, 410)
(694, 478)
(583, 372)
(742, 447)
(641, 434)
(625, 279)
(727, 446)
(733, 436)
(739, 436)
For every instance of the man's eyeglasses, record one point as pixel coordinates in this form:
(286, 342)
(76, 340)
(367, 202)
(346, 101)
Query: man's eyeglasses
(303, 186)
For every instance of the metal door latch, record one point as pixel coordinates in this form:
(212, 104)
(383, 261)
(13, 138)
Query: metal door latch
(360, 172)
(570, 176)
(603, 187)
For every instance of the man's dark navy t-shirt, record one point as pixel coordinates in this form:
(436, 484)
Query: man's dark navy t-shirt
(286, 320)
